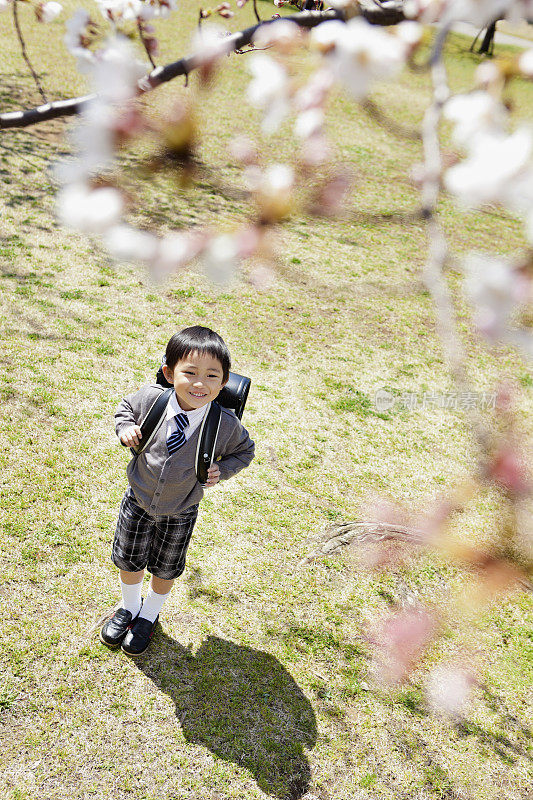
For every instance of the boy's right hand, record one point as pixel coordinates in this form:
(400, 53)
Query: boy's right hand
(131, 436)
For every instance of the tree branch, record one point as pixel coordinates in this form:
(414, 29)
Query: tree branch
(24, 53)
(72, 106)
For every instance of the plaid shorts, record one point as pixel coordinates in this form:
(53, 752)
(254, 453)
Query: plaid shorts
(158, 544)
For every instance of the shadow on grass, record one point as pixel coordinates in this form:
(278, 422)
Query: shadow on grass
(242, 705)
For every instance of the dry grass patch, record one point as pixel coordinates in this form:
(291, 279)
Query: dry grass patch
(257, 680)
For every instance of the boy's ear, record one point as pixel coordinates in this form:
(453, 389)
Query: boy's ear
(168, 373)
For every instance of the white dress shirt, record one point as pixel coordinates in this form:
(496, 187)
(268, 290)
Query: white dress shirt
(194, 417)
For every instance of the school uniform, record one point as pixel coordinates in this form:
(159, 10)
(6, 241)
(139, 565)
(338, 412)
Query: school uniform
(159, 509)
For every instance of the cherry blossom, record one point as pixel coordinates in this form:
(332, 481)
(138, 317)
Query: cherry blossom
(509, 471)
(220, 259)
(525, 63)
(269, 90)
(283, 34)
(497, 289)
(47, 12)
(210, 43)
(475, 113)
(400, 641)
(359, 53)
(89, 210)
(130, 244)
(449, 689)
(274, 192)
(498, 170)
(77, 37)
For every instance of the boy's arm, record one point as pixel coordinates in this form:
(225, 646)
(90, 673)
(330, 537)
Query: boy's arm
(128, 415)
(240, 452)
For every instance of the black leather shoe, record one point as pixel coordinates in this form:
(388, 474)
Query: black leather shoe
(138, 637)
(115, 629)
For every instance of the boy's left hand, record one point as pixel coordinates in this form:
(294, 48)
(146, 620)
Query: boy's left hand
(213, 475)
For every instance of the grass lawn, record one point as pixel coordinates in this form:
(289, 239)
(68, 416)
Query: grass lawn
(256, 684)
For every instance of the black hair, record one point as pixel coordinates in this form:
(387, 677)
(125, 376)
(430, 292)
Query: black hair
(198, 339)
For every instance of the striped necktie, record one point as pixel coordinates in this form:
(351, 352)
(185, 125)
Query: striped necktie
(177, 439)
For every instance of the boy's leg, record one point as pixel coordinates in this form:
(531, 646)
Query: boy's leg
(131, 547)
(157, 594)
(166, 562)
(131, 590)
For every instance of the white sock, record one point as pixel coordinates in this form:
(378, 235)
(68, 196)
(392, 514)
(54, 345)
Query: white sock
(153, 604)
(131, 597)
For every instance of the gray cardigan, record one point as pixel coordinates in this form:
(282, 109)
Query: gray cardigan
(166, 486)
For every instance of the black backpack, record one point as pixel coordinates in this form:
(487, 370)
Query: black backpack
(233, 396)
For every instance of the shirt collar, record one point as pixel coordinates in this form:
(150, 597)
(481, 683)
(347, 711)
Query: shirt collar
(174, 408)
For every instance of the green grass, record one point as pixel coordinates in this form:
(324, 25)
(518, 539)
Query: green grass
(257, 682)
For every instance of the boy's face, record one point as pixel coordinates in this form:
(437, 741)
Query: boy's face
(197, 379)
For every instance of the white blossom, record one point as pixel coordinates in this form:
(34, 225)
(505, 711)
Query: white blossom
(278, 178)
(360, 53)
(118, 10)
(4, 5)
(495, 289)
(497, 171)
(449, 690)
(76, 28)
(220, 259)
(529, 227)
(309, 123)
(157, 8)
(117, 71)
(525, 63)
(130, 244)
(210, 43)
(89, 210)
(282, 33)
(49, 11)
(473, 113)
(269, 90)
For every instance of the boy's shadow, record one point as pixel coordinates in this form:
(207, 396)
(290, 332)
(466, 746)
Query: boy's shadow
(240, 703)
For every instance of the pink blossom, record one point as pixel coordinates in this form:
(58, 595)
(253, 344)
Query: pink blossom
(243, 149)
(400, 642)
(508, 470)
(210, 43)
(315, 151)
(315, 91)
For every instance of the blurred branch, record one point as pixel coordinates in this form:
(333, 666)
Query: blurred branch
(24, 52)
(183, 66)
(390, 124)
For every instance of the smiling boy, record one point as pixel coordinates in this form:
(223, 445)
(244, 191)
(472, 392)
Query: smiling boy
(160, 506)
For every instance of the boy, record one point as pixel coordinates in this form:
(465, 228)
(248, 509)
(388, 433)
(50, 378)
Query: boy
(159, 509)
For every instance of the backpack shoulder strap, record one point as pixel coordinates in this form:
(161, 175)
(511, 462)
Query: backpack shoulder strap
(152, 420)
(207, 440)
